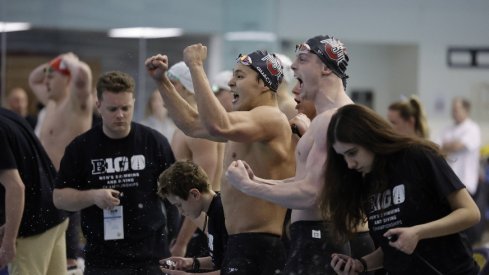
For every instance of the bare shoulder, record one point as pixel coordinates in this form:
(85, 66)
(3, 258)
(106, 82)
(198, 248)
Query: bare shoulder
(319, 126)
(269, 113)
(322, 120)
(266, 109)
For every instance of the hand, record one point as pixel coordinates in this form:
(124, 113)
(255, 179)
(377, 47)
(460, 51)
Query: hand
(195, 54)
(301, 121)
(176, 263)
(157, 66)
(70, 61)
(106, 198)
(345, 265)
(248, 169)
(7, 253)
(407, 239)
(239, 174)
(70, 58)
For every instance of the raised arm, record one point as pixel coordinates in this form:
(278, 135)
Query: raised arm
(80, 82)
(81, 90)
(14, 208)
(37, 85)
(211, 111)
(184, 115)
(258, 124)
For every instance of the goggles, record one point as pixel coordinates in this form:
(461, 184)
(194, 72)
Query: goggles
(244, 59)
(48, 70)
(302, 48)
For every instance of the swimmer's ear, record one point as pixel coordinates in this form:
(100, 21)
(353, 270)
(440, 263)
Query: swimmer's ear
(325, 70)
(263, 88)
(194, 193)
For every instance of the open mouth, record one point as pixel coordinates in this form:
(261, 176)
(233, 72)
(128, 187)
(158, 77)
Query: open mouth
(301, 83)
(235, 97)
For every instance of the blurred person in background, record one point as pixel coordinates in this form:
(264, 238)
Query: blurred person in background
(156, 116)
(18, 102)
(221, 89)
(64, 86)
(285, 99)
(408, 117)
(461, 143)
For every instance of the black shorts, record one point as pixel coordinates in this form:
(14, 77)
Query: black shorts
(253, 253)
(311, 249)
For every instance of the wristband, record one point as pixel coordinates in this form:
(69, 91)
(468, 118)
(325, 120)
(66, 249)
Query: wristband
(364, 264)
(195, 265)
(295, 130)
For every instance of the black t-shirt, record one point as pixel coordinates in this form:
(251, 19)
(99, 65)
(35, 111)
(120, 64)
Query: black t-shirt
(20, 149)
(130, 165)
(418, 184)
(217, 233)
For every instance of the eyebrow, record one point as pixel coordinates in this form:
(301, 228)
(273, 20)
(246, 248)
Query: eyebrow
(119, 106)
(350, 150)
(304, 54)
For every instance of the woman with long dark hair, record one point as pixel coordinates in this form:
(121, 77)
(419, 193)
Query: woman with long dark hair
(415, 205)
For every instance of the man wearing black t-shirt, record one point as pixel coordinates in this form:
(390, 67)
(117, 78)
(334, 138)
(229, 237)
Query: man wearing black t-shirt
(110, 173)
(32, 232)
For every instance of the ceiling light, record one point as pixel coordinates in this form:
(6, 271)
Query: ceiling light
(145, 32)
(250, 36)
(14, 26)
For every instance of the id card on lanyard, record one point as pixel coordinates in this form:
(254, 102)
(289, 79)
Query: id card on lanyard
(114, 223)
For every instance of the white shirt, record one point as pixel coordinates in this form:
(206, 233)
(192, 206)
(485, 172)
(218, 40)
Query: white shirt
(165, 127)
(465, 162)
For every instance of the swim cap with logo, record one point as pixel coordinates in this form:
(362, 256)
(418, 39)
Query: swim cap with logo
(267, 66)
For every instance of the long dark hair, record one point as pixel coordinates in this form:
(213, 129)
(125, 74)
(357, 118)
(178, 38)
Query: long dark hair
(344, 194)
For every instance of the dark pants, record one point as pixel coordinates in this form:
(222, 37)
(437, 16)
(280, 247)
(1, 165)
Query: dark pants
(73, 249)
(253, 253)
(311, 249)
